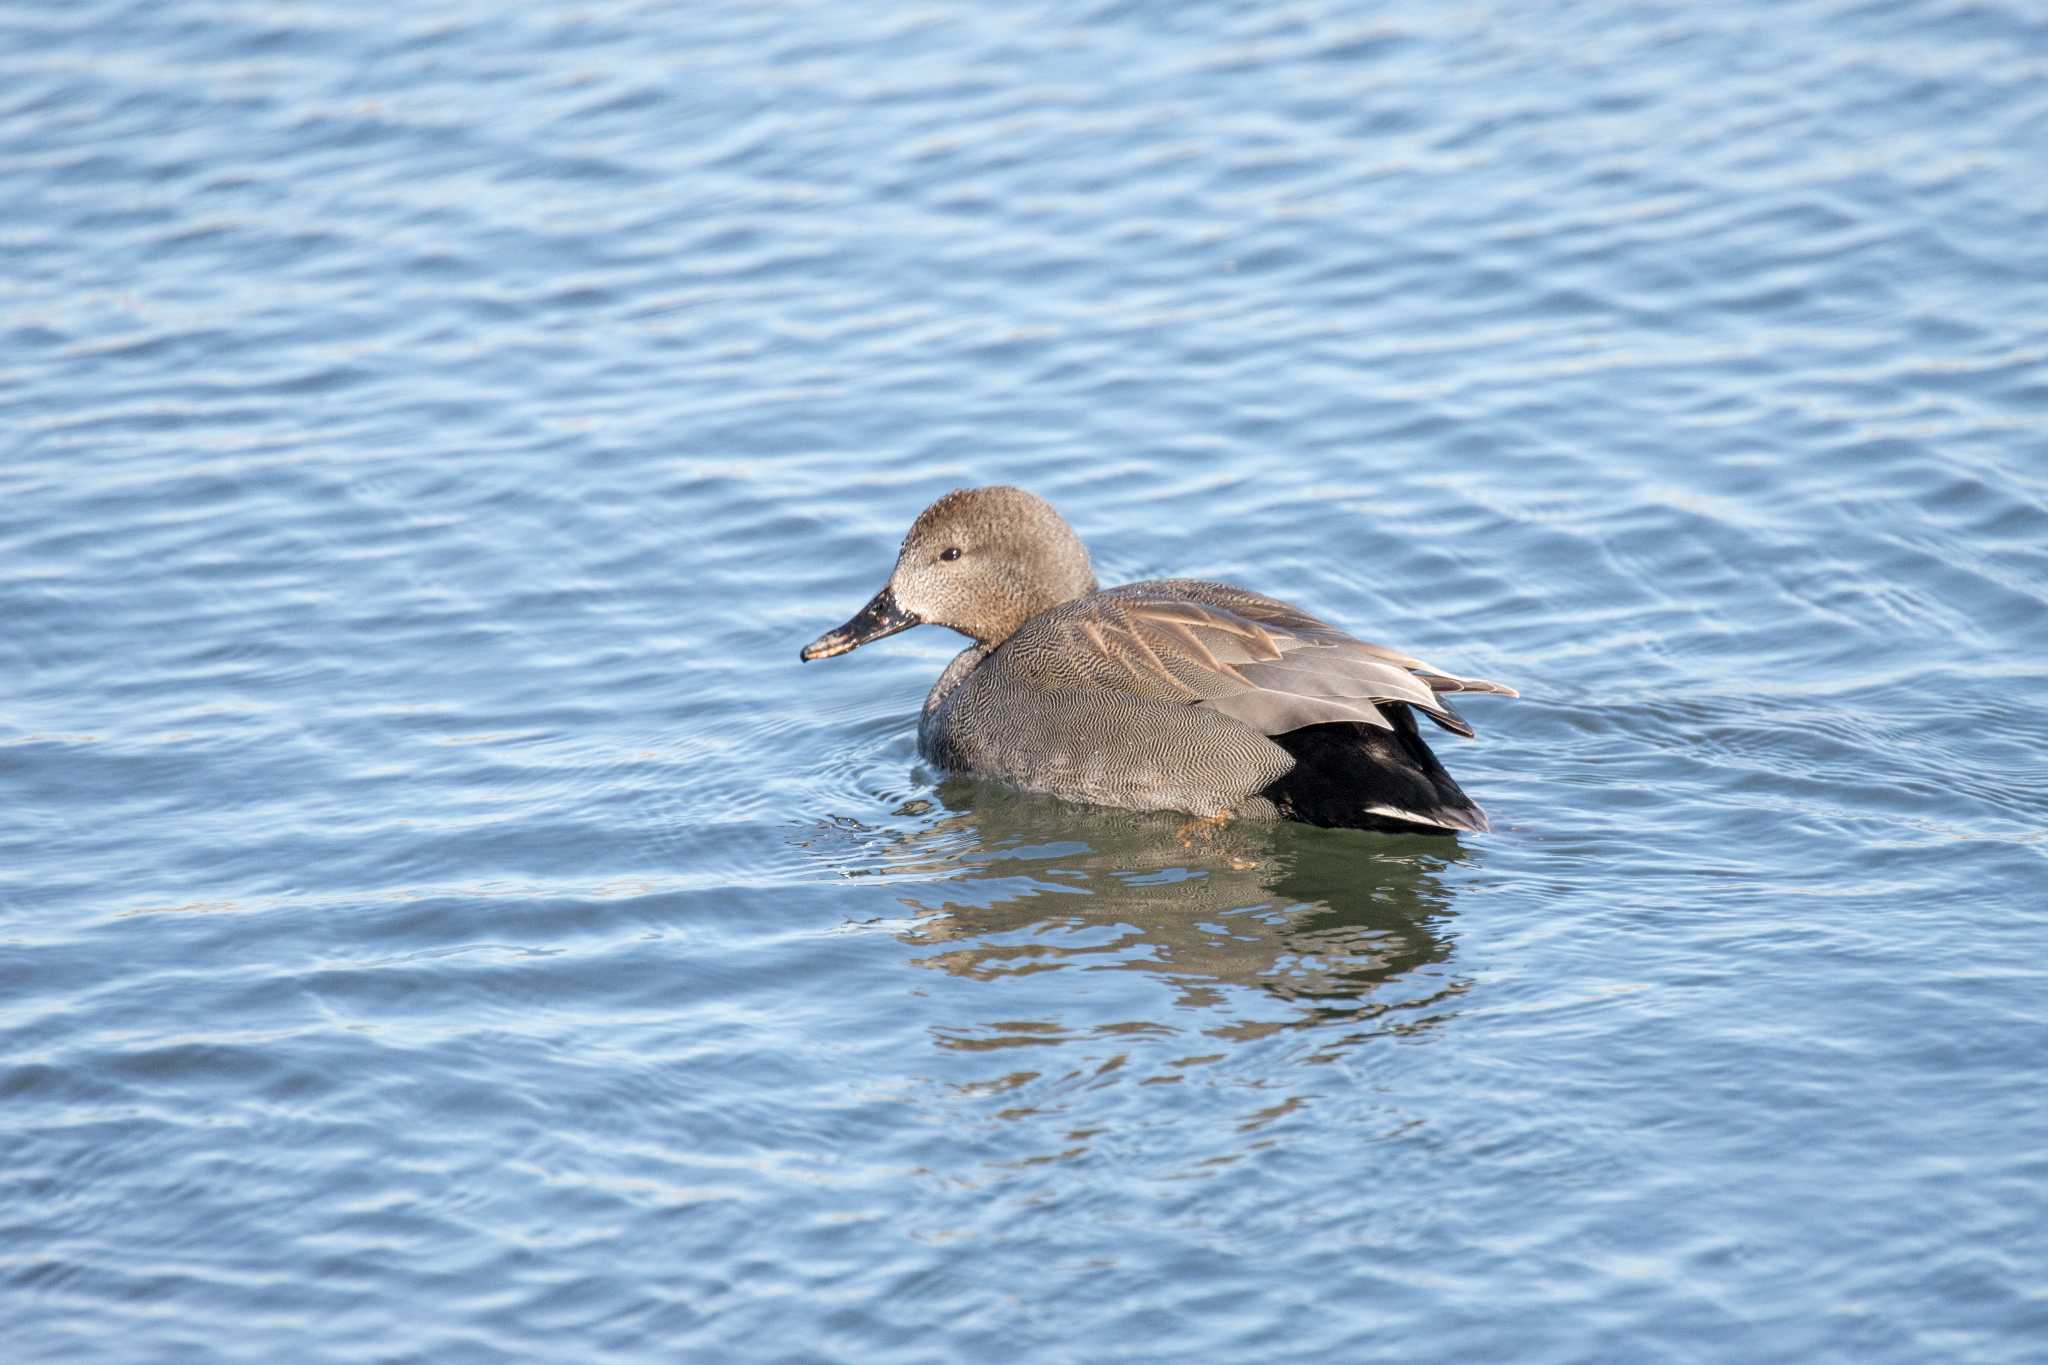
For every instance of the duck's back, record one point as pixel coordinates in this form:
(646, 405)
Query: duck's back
(1251, 657)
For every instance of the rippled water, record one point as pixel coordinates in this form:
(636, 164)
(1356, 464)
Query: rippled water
(442, 921)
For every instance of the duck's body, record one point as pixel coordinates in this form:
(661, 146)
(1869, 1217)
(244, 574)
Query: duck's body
(1173, 694)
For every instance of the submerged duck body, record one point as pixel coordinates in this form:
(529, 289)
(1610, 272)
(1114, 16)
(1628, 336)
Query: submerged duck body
(1173, 694)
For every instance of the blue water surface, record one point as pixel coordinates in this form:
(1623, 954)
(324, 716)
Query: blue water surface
(440, 920)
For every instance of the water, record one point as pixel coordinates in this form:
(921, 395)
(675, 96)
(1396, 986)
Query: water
(442, 920)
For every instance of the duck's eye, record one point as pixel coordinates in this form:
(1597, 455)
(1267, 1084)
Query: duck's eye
(950, 553)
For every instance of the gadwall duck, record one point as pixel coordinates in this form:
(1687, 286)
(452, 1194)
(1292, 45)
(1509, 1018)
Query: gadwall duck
(1173, 694)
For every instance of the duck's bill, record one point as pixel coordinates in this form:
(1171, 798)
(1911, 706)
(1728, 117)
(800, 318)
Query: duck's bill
(878, 618)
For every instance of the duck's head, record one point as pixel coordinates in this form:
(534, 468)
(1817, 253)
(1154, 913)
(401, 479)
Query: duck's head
(980, 560)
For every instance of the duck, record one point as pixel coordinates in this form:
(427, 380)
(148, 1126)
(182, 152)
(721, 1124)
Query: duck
(1172, 694)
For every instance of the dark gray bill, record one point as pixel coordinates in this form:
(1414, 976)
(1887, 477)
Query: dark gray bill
(878, 618)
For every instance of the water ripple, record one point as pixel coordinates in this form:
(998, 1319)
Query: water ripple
(433, 880)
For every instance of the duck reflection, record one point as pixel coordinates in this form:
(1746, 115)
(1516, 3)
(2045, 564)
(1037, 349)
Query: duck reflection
(1330, 927)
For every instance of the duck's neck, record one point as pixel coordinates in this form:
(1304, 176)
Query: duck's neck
(956, 672)
(964, 663)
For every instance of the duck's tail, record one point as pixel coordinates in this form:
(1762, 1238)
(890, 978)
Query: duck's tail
(1352, 776)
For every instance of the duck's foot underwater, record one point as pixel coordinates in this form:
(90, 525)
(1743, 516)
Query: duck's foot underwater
(1201, 828)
